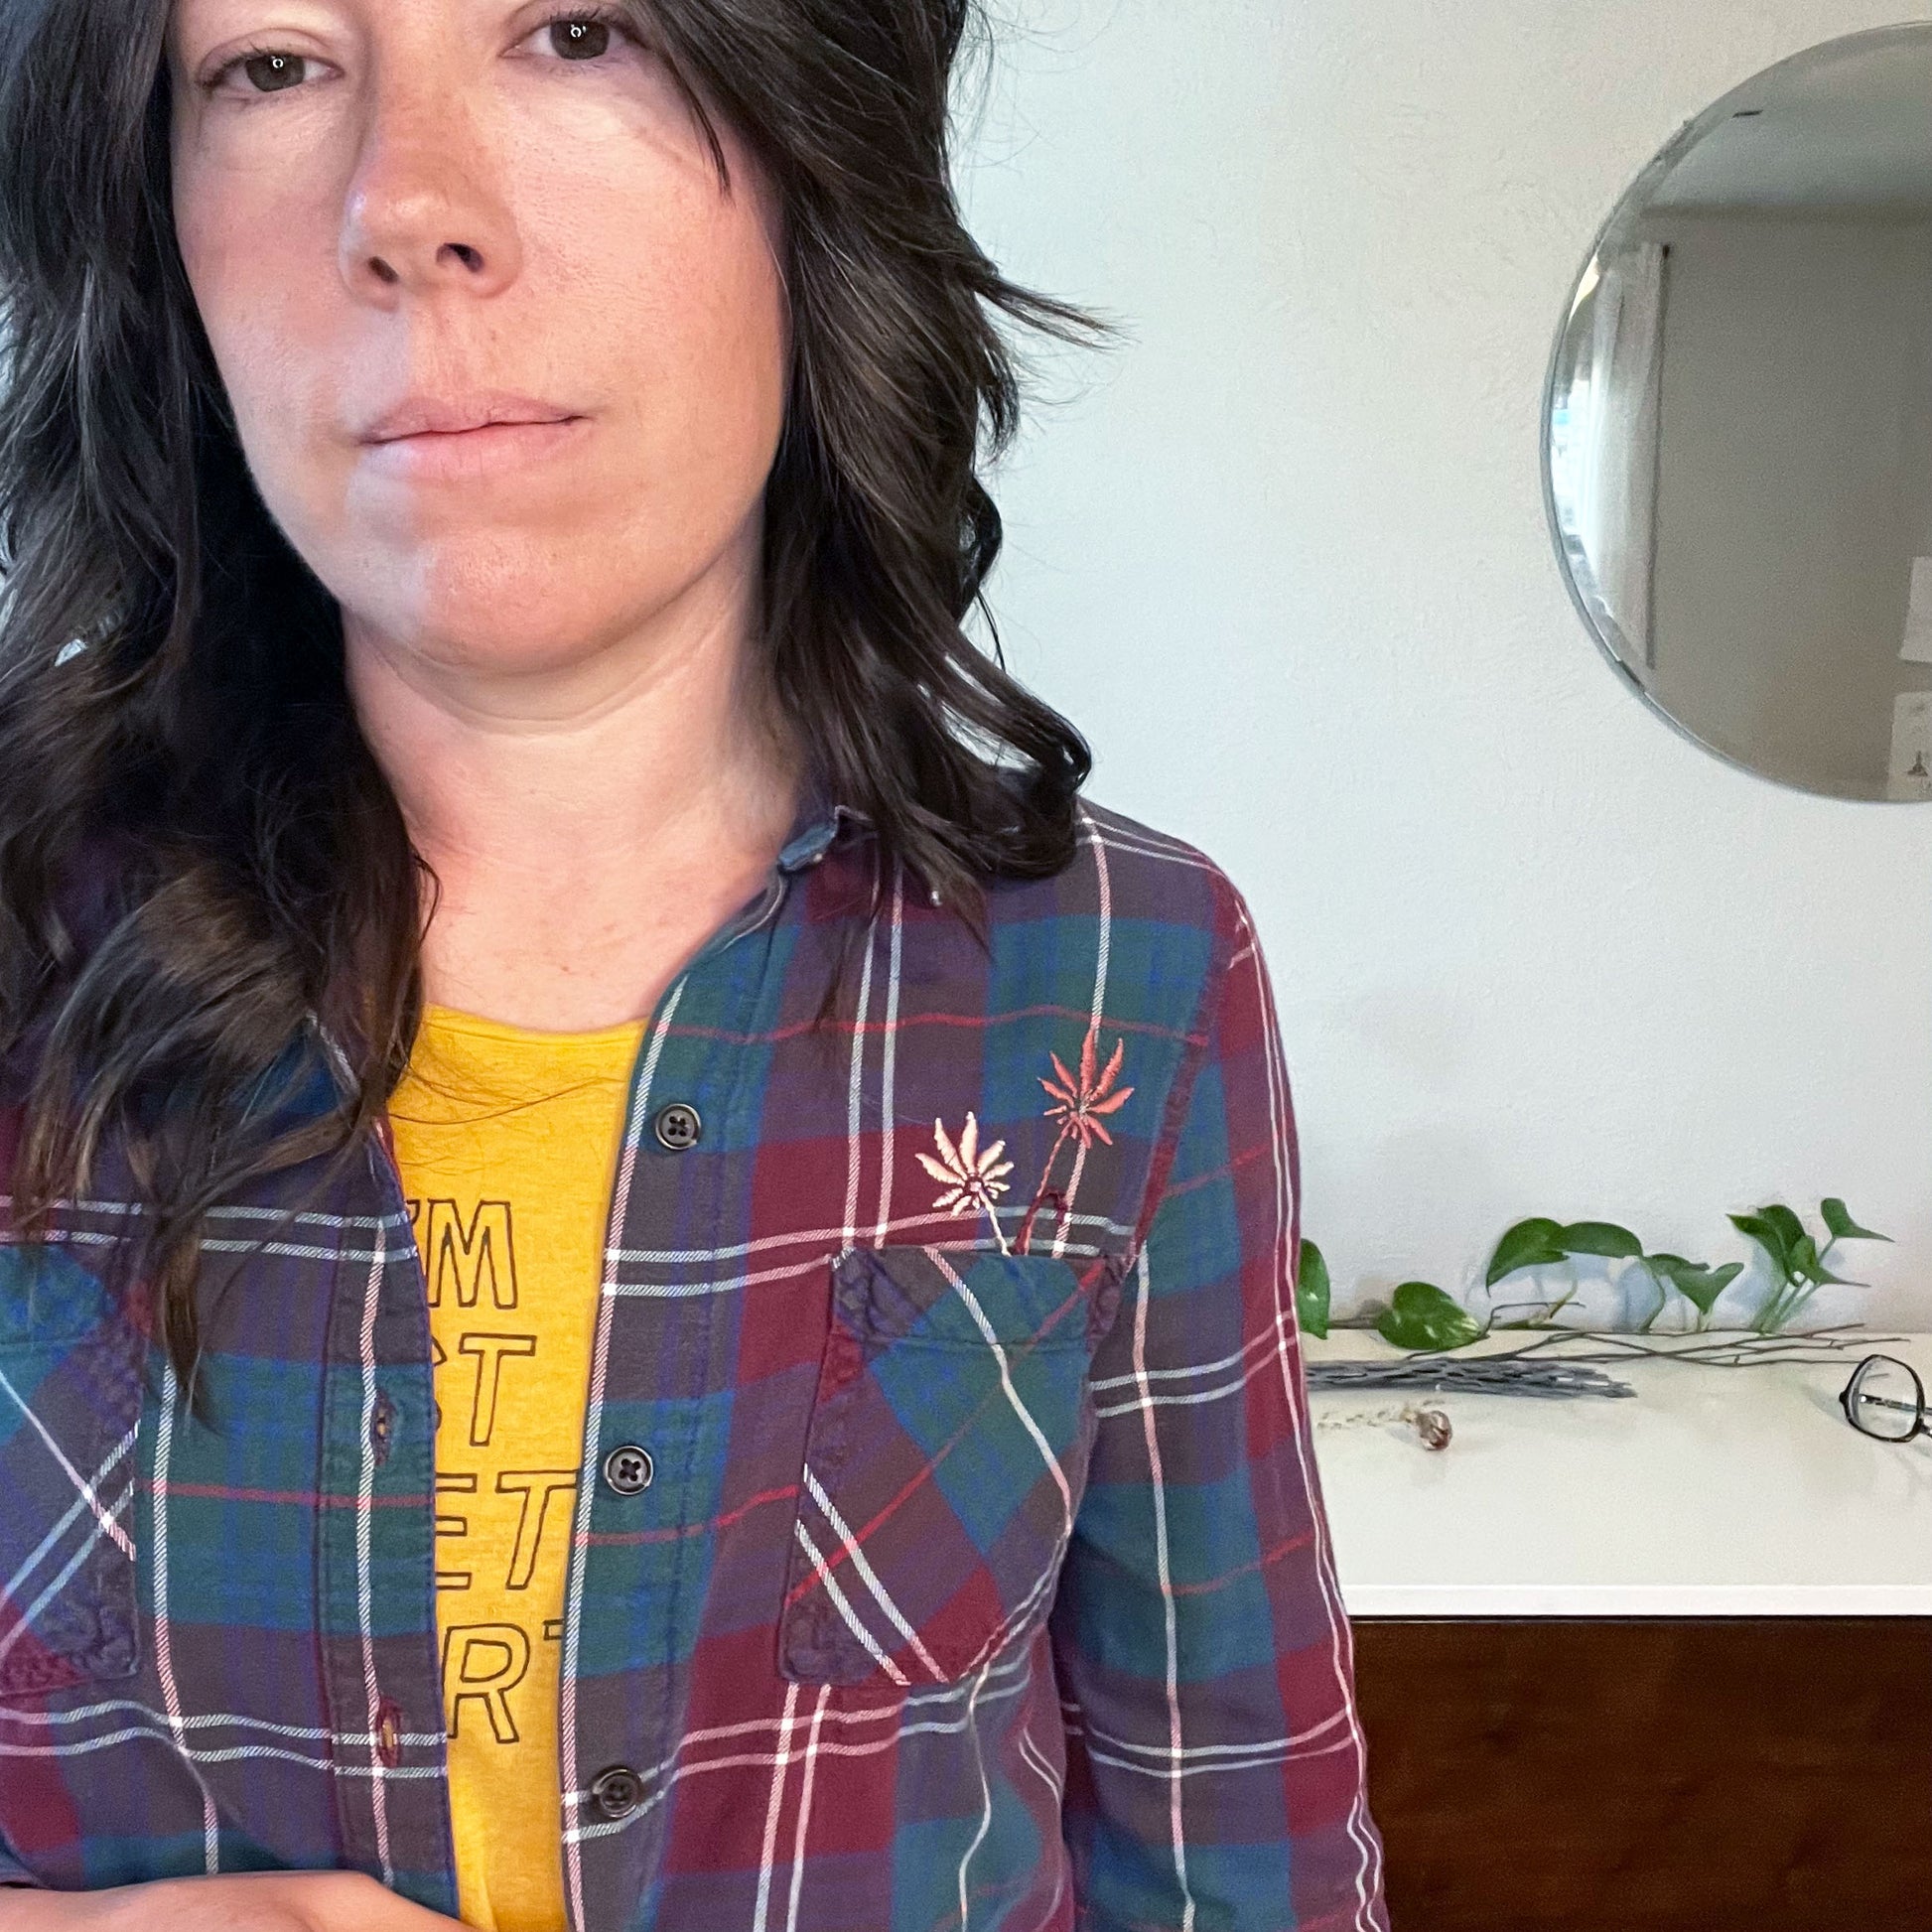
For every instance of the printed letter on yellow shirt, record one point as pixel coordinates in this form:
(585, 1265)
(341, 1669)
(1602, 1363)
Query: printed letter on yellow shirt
(507, 1143)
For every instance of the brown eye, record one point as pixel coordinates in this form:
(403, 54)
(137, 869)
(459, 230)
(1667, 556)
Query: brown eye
(274, 74)
(580, 40)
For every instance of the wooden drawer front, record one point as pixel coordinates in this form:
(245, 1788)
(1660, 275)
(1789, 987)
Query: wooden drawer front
(1735, 1775)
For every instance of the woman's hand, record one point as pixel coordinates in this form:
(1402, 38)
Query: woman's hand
(256, 1901)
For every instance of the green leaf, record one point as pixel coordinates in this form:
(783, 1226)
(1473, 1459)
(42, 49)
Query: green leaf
(1787, 1224)
(1698, 1285)
(1600, 1238)
(1529, 1244)
(1805, 1266)
(1838, 1217)
(1768, 1236)
(1420, 1316)
(1311, 1291)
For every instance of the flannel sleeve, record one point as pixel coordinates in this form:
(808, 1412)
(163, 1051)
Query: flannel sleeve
(1216, 1766)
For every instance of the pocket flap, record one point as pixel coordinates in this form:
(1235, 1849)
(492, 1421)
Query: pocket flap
(964, 1298)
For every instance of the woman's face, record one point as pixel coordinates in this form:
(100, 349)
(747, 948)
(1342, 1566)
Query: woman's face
(508, 364)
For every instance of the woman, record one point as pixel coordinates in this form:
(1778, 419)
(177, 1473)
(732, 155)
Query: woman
(650, 1271)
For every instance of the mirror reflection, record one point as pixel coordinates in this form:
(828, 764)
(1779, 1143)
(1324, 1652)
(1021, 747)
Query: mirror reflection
(1739, 424)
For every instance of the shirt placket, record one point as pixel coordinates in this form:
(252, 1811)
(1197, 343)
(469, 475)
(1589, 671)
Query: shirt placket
(654, 1424)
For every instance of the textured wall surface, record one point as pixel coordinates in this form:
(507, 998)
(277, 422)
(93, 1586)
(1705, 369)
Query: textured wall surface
(1283, 557)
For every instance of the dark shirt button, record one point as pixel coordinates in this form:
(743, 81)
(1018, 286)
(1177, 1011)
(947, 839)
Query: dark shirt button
(382, 1424)
(629, 1469)
(616, 1791)
(678, 1125)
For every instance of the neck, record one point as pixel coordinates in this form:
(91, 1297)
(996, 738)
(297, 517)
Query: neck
(591, 819)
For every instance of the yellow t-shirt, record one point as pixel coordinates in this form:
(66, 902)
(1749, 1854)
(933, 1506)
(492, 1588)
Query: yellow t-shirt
(507, 1143)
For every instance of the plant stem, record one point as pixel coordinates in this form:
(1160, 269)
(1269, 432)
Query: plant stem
(1663, 1299)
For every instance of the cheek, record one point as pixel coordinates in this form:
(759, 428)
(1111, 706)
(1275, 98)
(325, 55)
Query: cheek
(722, 326)
(263, 279)
(260, 280)
(725, 410)
(677, 292)
(214, 218)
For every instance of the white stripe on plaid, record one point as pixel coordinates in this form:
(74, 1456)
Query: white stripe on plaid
(58, 1581)
(1265, 1362)
(1254, 1762)
(364, 1512)
(1103, 946)
(849, 1547)
(822, 1575)
(1156, 1483)
(774, 1803)
(10, 1591)
(1158, 1760)
(889, 1060)
(855, 1093)
(986, 1799)
(198, 1755)
(44, 1720)
(164, 1448)
(665, 1776)
(1010, 1674)
(805, 1809)
(1144, 843)
(1262, 1341)
(1018, 1407)
(1368, 1881)
(911, 1227)
(219, 1211)
(84, 1489)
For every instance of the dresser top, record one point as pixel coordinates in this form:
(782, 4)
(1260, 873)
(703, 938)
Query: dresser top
(1713, 1493)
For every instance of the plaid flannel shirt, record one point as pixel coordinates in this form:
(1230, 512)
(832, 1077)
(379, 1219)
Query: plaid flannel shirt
(982, 1579)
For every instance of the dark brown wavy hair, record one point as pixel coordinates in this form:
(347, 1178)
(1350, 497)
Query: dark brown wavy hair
(201, 866)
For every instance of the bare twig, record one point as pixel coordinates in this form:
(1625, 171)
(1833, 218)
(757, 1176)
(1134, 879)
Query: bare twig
(1548, 1368)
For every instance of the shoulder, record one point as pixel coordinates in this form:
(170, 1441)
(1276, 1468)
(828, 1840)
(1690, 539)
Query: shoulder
(1111, 979)
(1156, 874)
(1163, 909)
(1141, 936)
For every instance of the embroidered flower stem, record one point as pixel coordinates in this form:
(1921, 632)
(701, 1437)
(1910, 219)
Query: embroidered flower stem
(1080, 1104)
(973, 1177)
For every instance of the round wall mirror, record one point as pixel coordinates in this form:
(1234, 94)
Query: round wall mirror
(1738, 427)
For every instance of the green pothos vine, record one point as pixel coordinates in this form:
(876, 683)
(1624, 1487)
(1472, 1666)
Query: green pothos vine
(1421, 1315)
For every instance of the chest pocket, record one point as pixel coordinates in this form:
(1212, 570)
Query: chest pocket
(70, 1413)
(946, 1455)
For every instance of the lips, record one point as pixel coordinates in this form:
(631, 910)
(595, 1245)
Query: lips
(428, 416)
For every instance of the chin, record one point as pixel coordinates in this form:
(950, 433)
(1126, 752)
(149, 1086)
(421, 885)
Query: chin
(512, 601)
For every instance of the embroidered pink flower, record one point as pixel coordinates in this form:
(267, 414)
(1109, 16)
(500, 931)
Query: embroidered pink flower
(972, 1175)
(1078, 1106)
(971, 1172)
(1081, 1103)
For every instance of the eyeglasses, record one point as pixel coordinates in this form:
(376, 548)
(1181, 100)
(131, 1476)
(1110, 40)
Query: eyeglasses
(1885, 1398)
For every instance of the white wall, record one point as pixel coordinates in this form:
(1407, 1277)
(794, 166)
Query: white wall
(1283, 559)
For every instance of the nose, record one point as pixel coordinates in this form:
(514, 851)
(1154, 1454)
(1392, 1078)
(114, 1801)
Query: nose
(424, 212)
